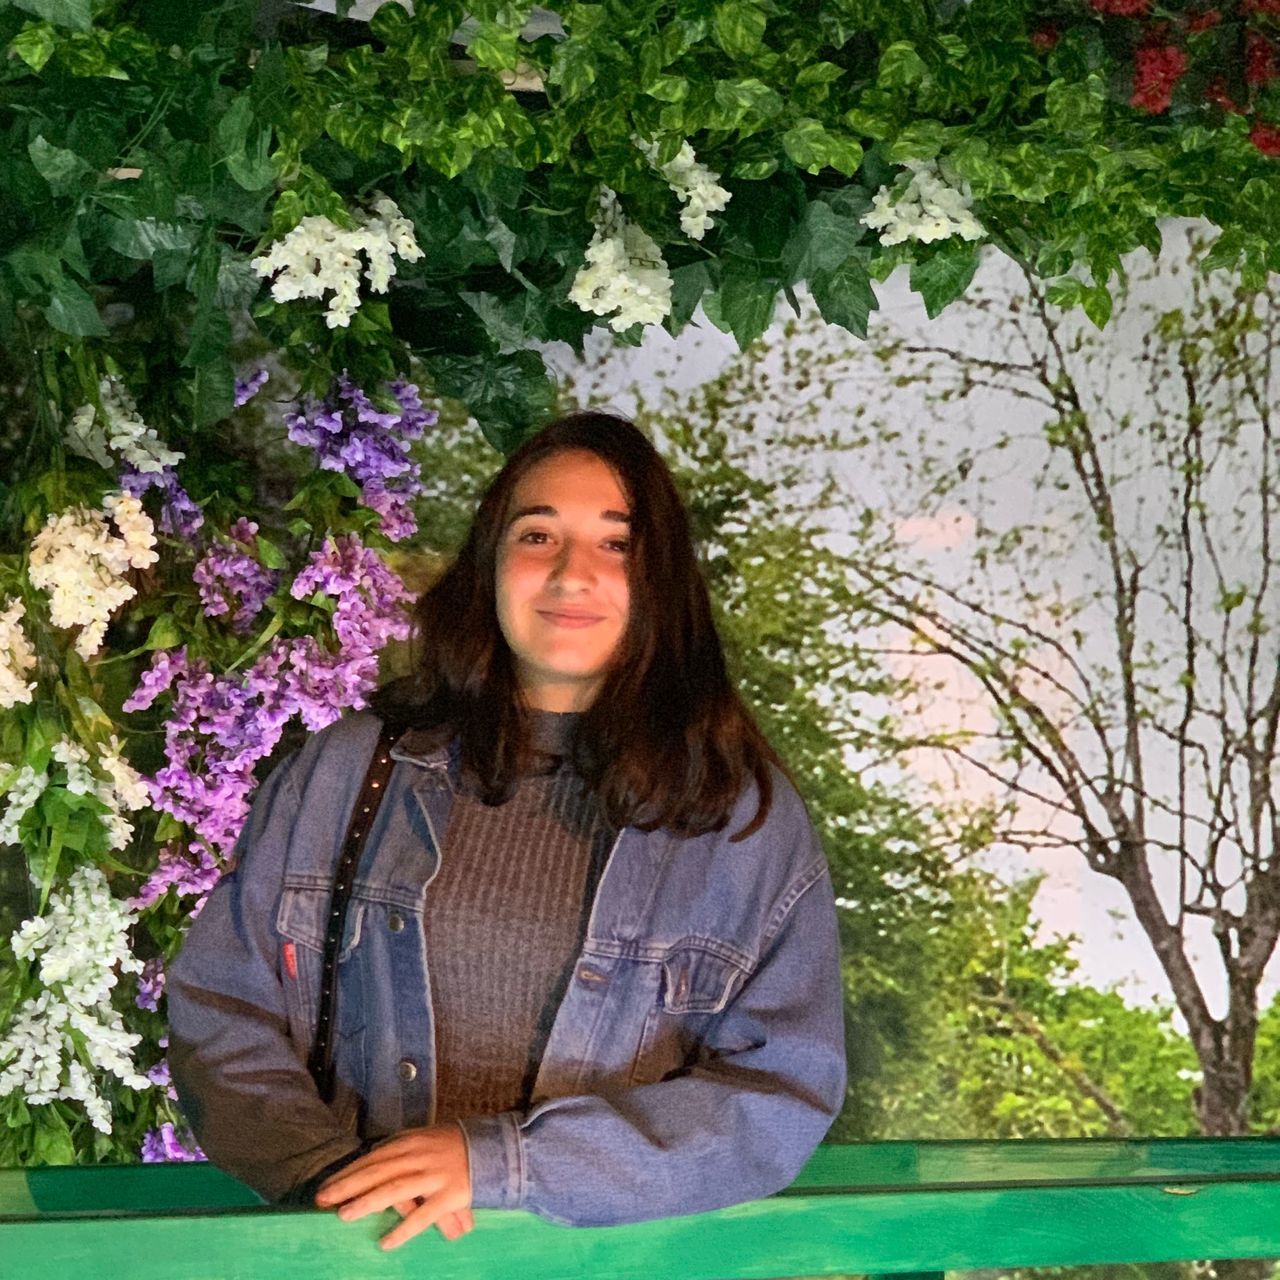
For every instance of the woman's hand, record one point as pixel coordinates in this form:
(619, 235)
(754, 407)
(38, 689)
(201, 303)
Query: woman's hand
(421, 1173)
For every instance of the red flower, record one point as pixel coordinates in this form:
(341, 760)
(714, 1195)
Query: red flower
(1261, 6)
(1266, 137)
(1204, 20)
(1216, 92)
(1259, 59)
(1044, 38)
(1159, 68)
(1123, 8)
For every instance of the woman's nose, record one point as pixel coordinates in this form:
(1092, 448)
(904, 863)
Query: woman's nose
(573, 564)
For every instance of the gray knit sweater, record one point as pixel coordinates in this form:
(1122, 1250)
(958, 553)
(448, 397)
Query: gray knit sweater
(506, 917)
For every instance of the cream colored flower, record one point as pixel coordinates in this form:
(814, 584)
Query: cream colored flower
(68, 1031)
(624, 275)
(17, 657)
(319, 258)
(80, 564)
(926, 208)
(696, 186)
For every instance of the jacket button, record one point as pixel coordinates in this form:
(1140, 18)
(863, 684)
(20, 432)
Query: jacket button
(407, 1070)
(395, 922)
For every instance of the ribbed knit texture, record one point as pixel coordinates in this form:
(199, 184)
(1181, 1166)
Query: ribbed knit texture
(506, 917)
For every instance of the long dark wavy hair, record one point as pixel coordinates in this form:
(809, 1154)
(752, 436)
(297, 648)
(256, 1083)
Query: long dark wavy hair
(667, 741)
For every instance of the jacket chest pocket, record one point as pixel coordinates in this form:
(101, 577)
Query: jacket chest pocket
(301, 922)
(695, 986)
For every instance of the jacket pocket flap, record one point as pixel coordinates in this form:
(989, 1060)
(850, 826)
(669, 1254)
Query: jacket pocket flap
(304, 917)
(698, 981)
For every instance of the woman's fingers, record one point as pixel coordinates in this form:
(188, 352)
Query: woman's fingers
(450, 1225)
(405, 1207)
(433, 1210)
(400, 1185)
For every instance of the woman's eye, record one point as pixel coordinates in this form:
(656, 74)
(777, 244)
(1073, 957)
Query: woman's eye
(535, 536)
(618, 544)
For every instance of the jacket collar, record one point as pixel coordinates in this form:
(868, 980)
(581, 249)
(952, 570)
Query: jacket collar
(423, 748)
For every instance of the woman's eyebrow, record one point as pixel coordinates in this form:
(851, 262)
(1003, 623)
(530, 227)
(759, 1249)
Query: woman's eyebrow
(542, 509)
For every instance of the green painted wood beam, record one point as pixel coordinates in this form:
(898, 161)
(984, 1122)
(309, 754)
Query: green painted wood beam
(881, 1208)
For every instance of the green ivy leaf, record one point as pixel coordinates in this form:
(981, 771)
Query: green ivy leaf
(494, 45)
(1097, 304)
(745, 101)
(76, 14)
(573, 69)
(668, 88)
(818, 73)
(52, 1144)
(738, 27)
(245, 145)
(213, 391)
(507, 394)
(71, 310)
(920, 140)
(35, 45)
(1068, 292)
(845, 296)
(270, 555)
(143, 238)
(820, 242)
(743, 306)
(688, 285)
(63, 170)
(809, 146)
(1074, 108)
(944, 276)
(901, 66)
(868, 124)
(165, 633)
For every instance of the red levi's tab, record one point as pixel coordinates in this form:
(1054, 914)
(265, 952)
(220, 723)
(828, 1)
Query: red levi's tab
(290, 959)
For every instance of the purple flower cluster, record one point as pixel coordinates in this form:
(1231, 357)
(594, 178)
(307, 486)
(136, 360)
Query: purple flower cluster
(229, 577)
(220, 726)
(189, 872)
(160, 1076)
(165, 1145)
(217, 729)
(349, 434)
(151, 979)
(179, 516)
(247, 388)
(368, 598)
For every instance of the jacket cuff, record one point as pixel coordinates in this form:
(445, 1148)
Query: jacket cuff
(494, 1159)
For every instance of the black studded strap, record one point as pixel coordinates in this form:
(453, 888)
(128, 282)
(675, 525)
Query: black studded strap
(320, 1063)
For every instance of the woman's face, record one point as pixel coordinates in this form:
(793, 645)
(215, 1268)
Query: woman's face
(561, 577)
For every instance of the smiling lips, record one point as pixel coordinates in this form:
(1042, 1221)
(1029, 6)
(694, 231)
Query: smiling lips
(557, 618)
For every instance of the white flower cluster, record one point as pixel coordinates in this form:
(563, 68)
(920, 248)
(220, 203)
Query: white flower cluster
(81, 946)
(121, 789)
(697, 187)
(81, 564)
(17, 657)
(624, 273)
(22, 790)
(319, 257)
(927, 208)
(122, 431)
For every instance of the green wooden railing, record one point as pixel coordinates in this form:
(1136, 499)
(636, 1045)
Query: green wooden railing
(880, 1208)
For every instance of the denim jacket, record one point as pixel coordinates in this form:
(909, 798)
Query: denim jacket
(696, 1060)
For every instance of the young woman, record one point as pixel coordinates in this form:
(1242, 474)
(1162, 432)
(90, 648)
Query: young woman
(589, 966)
